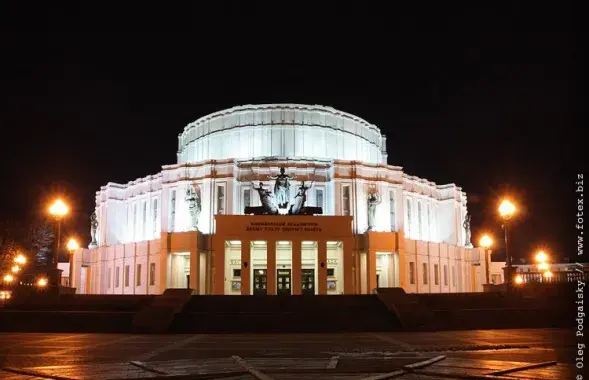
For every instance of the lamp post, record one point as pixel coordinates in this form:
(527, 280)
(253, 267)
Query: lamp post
(72, 245)
(542, 260)
(58, 210)
(506, 211)
(486, 243)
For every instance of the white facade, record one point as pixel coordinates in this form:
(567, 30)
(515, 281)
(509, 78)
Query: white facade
(223, 153)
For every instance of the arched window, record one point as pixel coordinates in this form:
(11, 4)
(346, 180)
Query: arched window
(408, 213)
(419, 222)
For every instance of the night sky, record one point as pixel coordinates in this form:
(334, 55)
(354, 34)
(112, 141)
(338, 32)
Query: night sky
(486, 98)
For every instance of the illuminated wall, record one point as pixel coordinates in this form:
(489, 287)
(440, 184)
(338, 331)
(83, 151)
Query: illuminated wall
(224, 152)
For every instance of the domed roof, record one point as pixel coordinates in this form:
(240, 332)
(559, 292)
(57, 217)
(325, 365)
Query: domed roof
(285, 130)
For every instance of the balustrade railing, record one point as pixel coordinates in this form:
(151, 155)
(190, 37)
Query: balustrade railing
(557, 277)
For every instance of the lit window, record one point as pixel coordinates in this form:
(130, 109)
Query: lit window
(220, 199)
(425, 274)
(151, 274)
(126, 275)
(138, 275)
(412, 273)
(346, 200)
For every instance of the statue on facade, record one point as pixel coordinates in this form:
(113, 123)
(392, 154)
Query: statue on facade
(93, 229)
(466, 226)
(299, 199)
(194, 205)
(374, 199)
(268, 200)
(281, 188)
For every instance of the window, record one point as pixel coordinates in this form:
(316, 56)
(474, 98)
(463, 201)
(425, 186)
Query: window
(419, 224)
(151, 274)
(330, 272)
(173, 211)
(425, 274)
(408, 227)
(453, 276)
(144, 223)
(445, 275)
(220, 199)
(247, 198)
(138, 275)
(154, 216)
(412, 273)
(134, 221)
(108, 278)
(346, 200)
(392, 210)
(319, 197)
(429, 222)
(236, 272)
(436, 274)
(126, 275)
(117, 277)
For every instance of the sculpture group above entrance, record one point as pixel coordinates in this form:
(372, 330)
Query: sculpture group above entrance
(272, 202)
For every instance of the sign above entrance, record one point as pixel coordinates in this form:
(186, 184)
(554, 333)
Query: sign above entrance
(283, 227)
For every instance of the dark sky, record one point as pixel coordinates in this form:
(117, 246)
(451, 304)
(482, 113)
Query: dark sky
(487, 98)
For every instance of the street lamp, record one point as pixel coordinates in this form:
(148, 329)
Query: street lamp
(542, 260)
(486, 243)
(20, 259)
(58, 210)
(15, 269)
(8, 278)
(519, 279)
(72, 245)
(506, 211)
(42, 282)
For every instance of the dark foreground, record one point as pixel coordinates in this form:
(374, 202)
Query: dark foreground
(288, 356)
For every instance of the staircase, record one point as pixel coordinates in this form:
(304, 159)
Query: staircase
(291, 314)
(159, 315)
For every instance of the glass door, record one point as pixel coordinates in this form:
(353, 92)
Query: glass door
(260, 282)
(308, 281)
(283, 282)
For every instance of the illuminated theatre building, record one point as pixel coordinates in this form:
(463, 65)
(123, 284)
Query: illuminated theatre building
(280, 199)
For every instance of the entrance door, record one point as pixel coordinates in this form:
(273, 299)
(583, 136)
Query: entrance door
(283, 282)
(260, 282)
(308, 281)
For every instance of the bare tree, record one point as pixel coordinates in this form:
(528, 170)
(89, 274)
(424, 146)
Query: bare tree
(41, 237)
(12, 238)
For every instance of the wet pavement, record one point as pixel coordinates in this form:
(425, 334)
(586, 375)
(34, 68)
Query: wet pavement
(40, 349)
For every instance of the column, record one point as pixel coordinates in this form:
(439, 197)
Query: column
(371, 270)
(194, 263)
(322, 265)
(296, 268)
(271, 266)
(246, 264)
(349, 265)
(161, 265)
(218, 266)
(403, 269)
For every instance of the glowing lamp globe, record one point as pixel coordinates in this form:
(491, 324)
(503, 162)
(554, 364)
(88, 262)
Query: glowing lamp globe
(541, 257)
(486, 241)
(506, 209)
(58, 208)
(72, 245)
